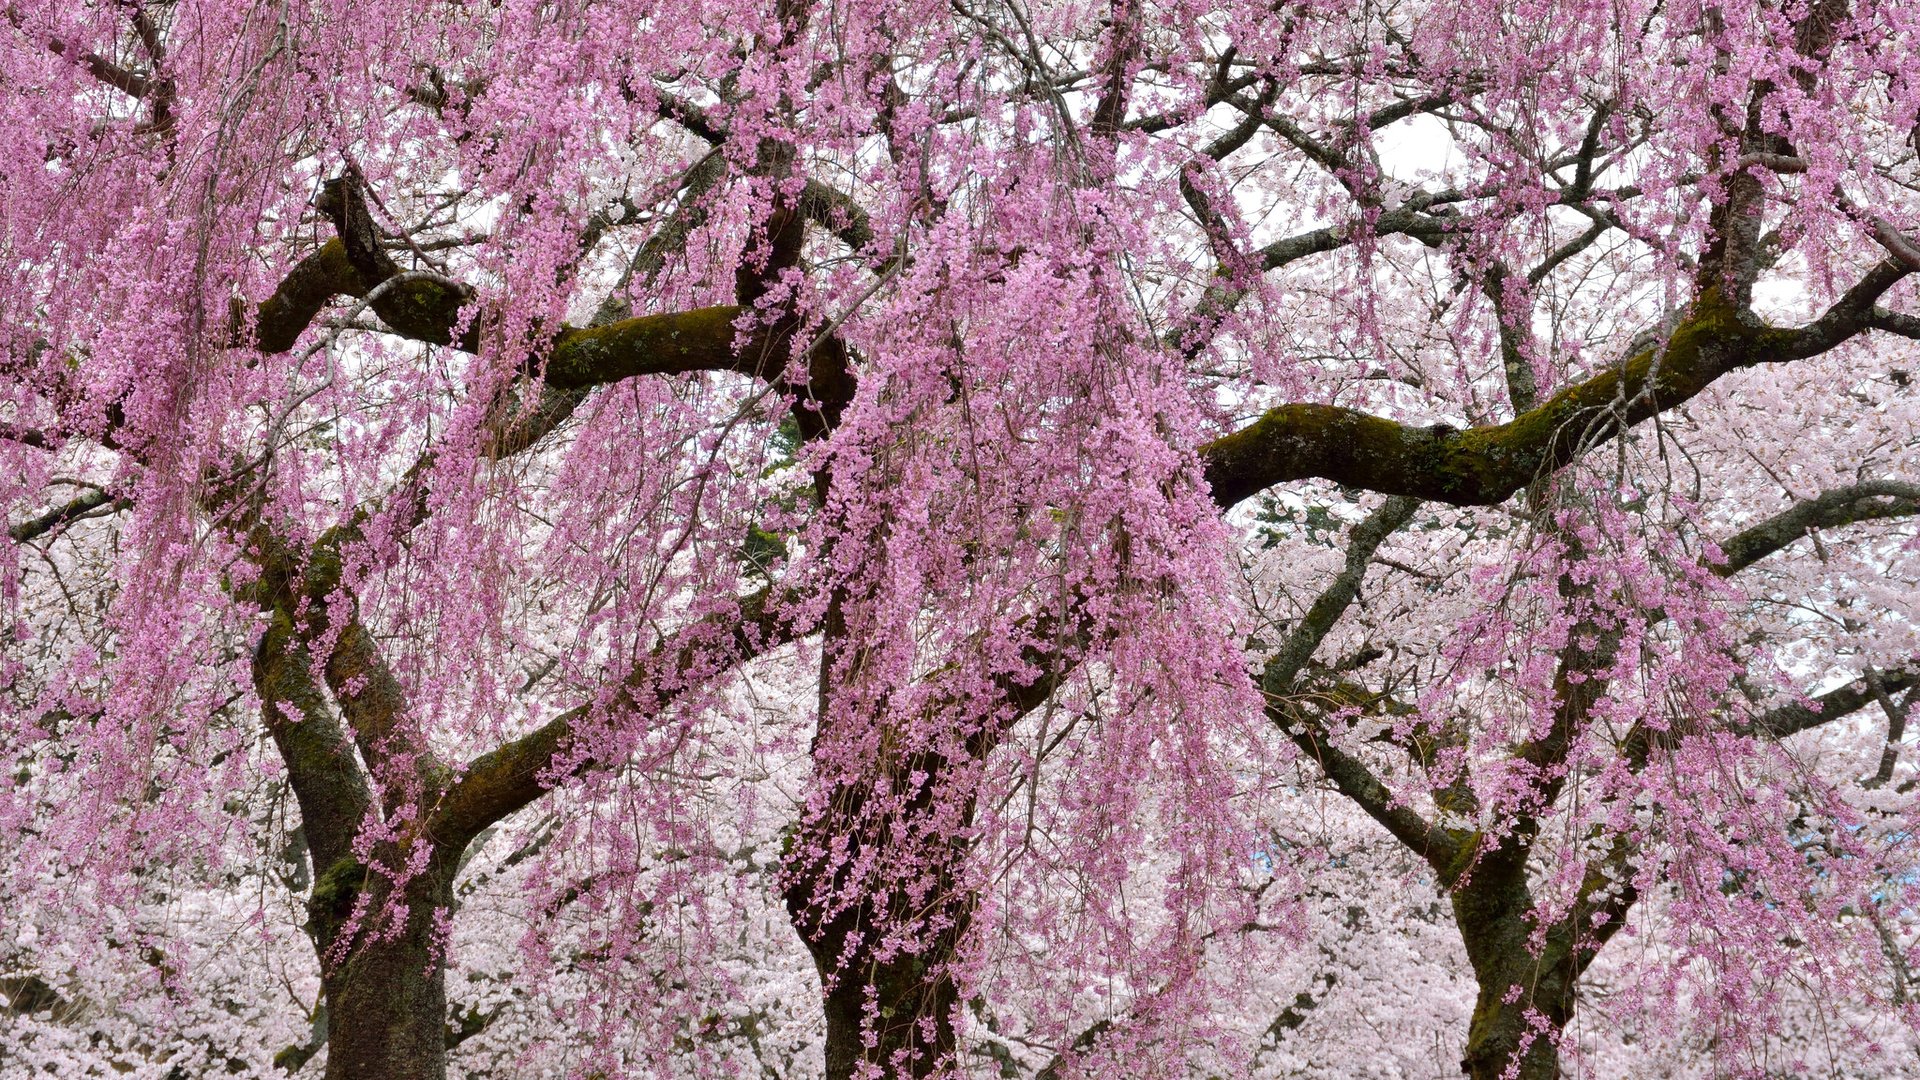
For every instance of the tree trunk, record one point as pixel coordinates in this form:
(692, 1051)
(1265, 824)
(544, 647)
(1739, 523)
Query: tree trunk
(1513, 1031)
(905, 1010)
(1499, 1030)
(887, 1016)
(891, 1017)
(387, 999)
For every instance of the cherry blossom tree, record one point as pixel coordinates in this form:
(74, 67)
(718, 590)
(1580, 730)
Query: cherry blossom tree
(947, 477)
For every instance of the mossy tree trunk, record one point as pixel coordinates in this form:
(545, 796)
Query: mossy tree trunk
(386, 994)
(1526, 978)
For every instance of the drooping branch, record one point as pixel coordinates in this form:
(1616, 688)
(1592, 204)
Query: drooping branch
(1869, 500)
(1607, 891)
(689, 213)
(578, 359)
(1224, 295)
(1581, 678)
(1606, 894)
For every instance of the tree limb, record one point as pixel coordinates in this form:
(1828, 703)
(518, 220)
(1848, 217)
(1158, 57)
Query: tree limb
(81, 507)
(1871, 500)
(1484, 466)
(1789, 720)
(512, 776)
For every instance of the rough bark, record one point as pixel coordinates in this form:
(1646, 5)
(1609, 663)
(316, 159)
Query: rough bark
(386, 997)
(894, 1015)
(1525, 998)
(894, 1010)
(887, 1009)
(1484, 466)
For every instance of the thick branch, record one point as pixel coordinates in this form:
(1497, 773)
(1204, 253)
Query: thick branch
(326, 777)
(375, 706)
(306, 290)
(1401, 222)
(84, 506)
(428, 310)
(1895, 322)
(670, 344)
(504, 780)
(1842, 701)
(1871, 500)
(1484, 466)
(308, 596)
(424, 309)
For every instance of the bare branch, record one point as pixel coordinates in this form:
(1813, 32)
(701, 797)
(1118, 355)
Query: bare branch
(1845, 700)
(1871, 500)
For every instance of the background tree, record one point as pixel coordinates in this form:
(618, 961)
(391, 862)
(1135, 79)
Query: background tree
(443, 414)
